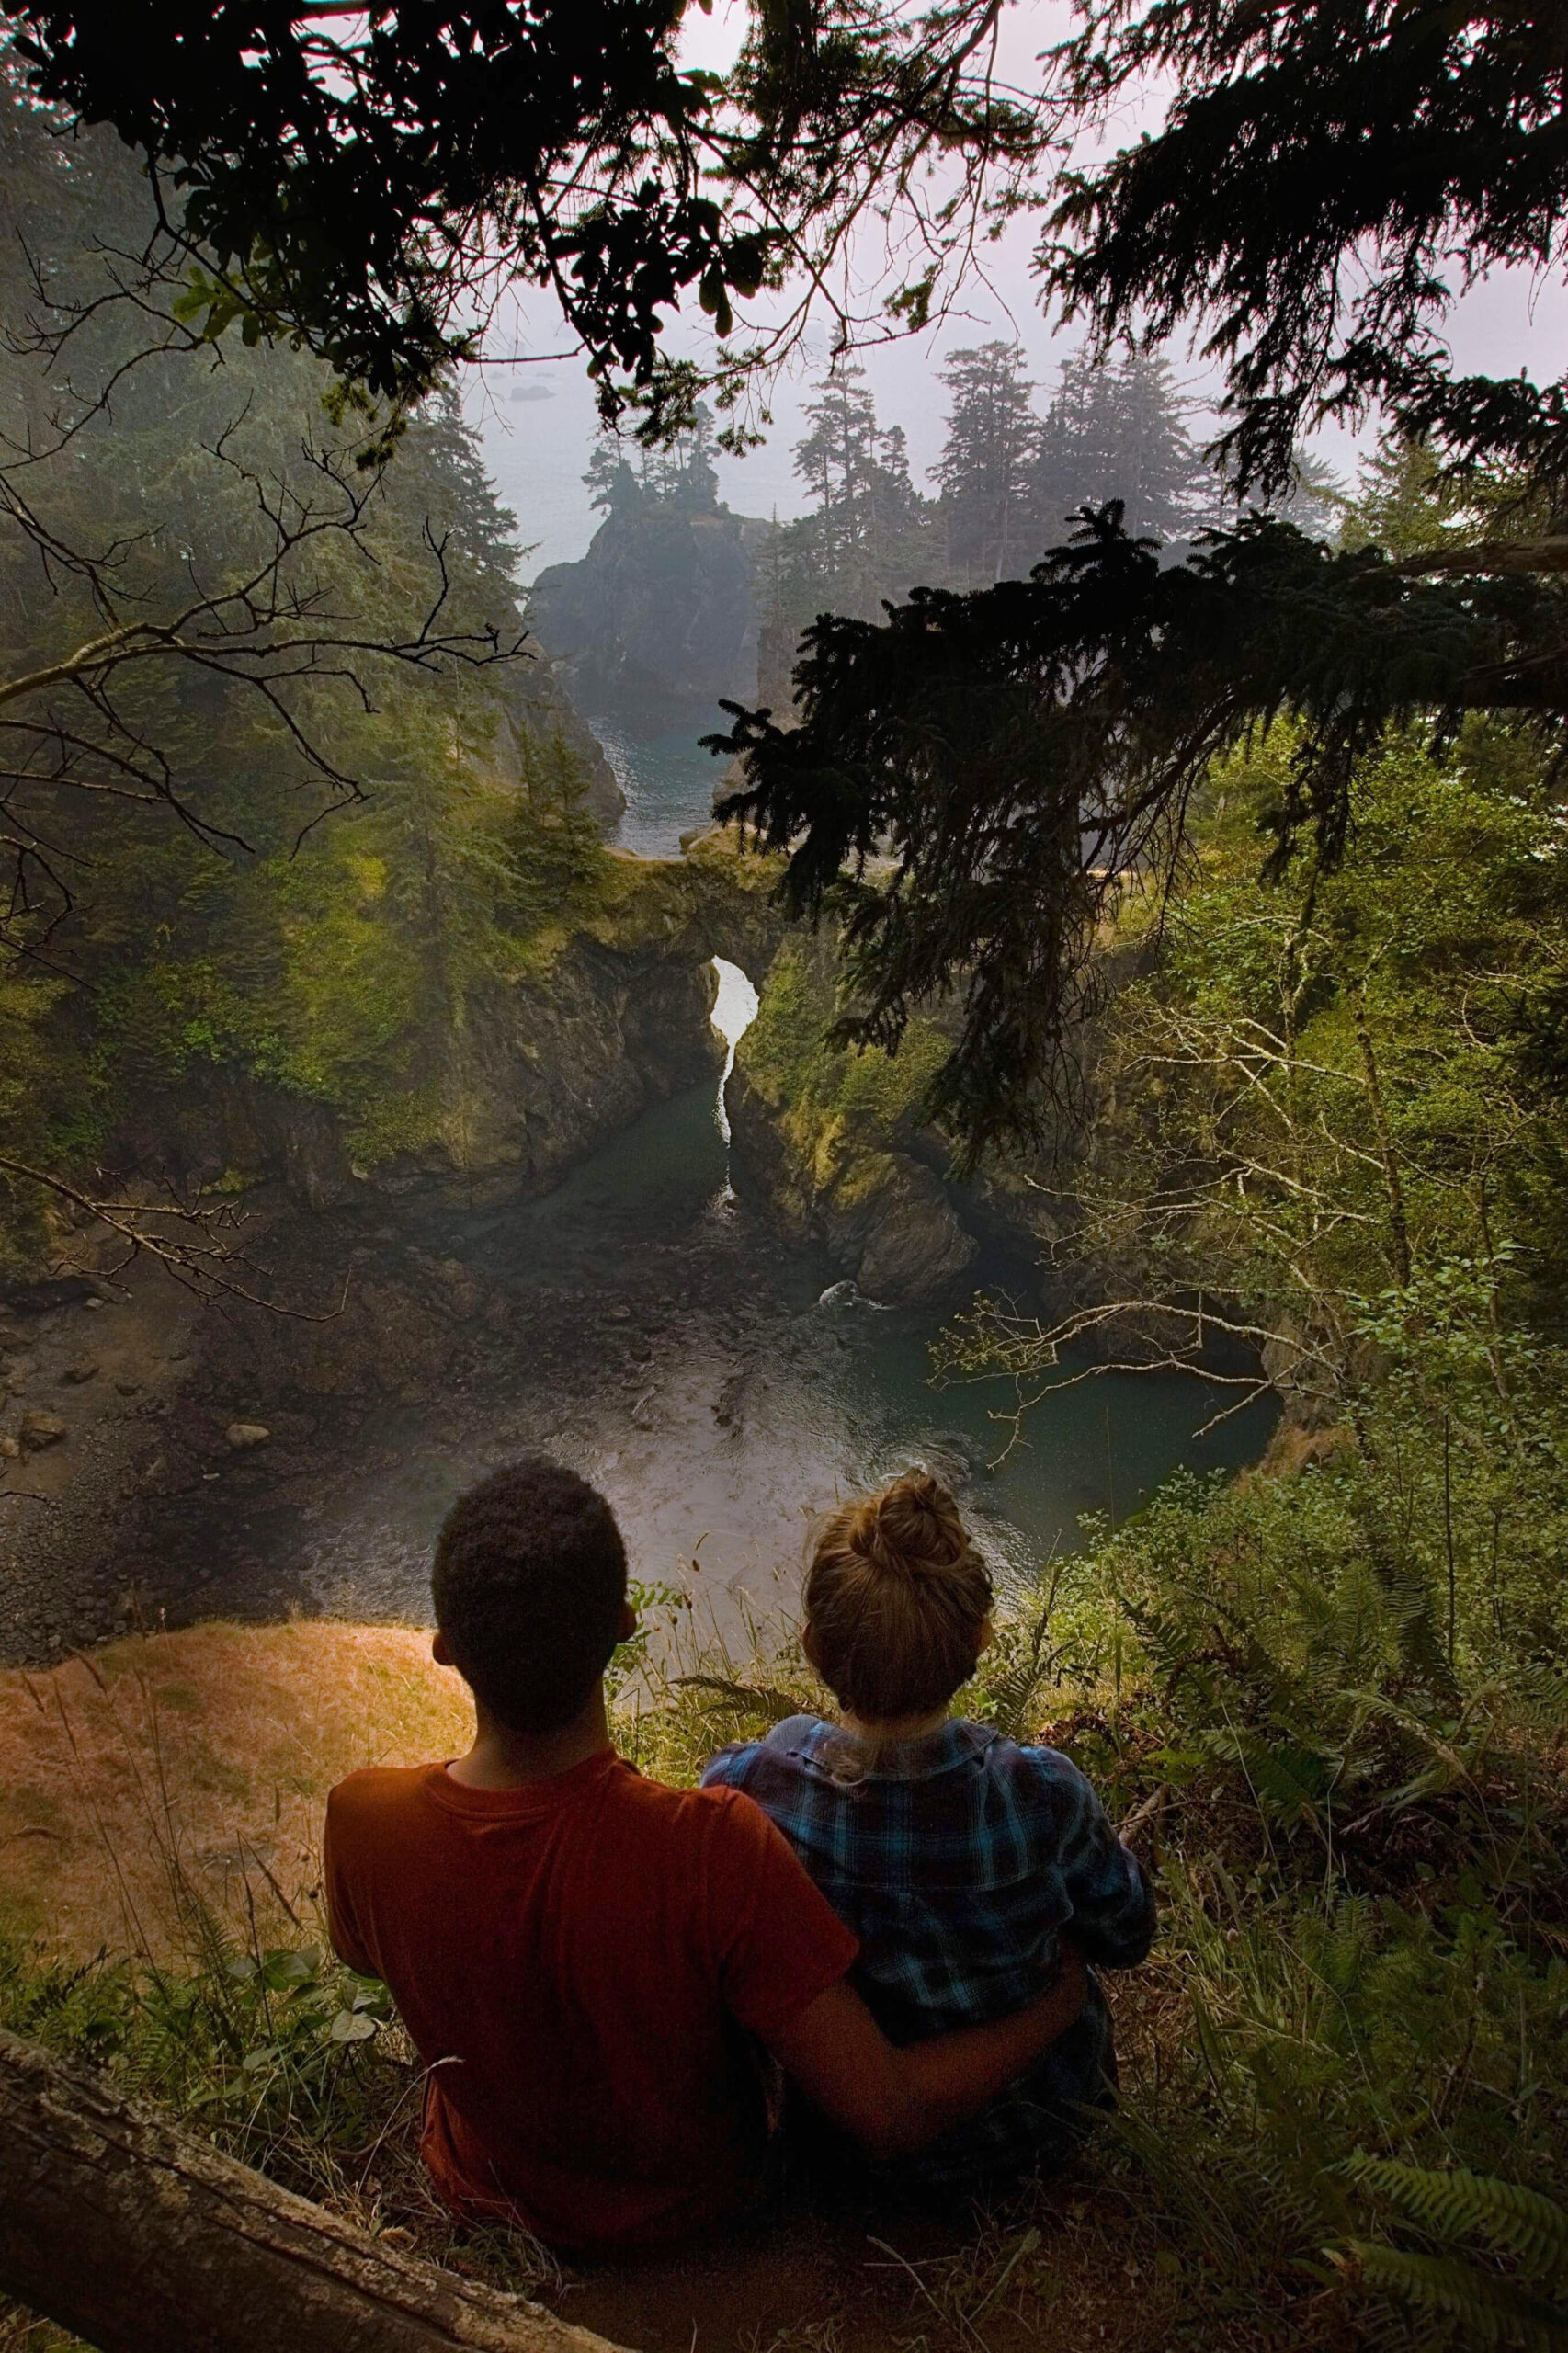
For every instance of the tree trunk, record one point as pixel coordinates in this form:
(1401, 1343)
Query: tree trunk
(142, 2239)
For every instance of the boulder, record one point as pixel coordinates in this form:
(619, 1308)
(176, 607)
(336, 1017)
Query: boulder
(241, 1436)
(913, 1244)
(38, 1430)
(85, 1369)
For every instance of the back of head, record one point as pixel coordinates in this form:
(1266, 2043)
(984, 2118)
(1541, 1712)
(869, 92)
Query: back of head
(528, 1583)
(897, 1598)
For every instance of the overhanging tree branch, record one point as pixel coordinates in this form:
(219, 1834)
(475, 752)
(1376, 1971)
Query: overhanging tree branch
(276, 629)
(979, 784)
(197, 1242)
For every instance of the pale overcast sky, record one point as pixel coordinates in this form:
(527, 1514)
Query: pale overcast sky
(536, 422)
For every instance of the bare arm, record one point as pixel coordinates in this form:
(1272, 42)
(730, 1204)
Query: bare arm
(895, 2100)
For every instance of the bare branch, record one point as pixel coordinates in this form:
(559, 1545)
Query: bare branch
(197, 1254)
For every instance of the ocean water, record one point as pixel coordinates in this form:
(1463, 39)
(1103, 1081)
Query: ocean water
(669, 781)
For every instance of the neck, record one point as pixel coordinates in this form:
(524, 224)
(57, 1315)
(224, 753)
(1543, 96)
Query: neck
(892, 1732)
(504, 1759)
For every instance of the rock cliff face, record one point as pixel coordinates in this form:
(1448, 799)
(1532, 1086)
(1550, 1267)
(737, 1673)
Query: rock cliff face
(613, 1016)
(832, 1143)
(885, 1218)
(658, 614)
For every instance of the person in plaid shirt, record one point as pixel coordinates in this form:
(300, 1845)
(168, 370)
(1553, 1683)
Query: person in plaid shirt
(963, 1860)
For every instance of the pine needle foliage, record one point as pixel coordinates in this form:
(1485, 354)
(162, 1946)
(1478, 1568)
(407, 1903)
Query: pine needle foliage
(981, 782)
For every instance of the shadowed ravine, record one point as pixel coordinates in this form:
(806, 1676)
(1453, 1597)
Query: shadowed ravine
(663, 1339)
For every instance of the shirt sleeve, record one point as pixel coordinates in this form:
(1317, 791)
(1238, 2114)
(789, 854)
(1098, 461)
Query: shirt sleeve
(348, 1941)
(1113, 1905)
(728, 1769)
(777, 1941)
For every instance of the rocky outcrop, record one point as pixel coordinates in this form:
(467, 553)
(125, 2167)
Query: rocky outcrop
(885, 1218)
(659, 612)
(833, 1145)
(535, 1070)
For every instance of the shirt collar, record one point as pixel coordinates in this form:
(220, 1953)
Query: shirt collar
(844, 1756)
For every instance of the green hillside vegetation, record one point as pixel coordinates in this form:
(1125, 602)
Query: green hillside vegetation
(835, 1111)
(295, 884)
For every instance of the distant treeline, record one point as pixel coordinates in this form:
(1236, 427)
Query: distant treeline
(1012, 474)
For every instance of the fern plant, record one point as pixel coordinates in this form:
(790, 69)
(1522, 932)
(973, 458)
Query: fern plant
(1523, 2305)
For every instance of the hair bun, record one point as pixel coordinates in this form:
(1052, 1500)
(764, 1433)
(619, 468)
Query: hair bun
(896, 1600)
(911, 1528)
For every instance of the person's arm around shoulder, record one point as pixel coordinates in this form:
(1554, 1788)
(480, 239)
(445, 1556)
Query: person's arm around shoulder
(896, 2101)
(783, 1954)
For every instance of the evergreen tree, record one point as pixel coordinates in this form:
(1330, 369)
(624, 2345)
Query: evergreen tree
(614, 487)
(1028, 753)
(1119, 430)
(868, 533)
(856, 476)
(987, 463)
(677, 473)
(346, 650)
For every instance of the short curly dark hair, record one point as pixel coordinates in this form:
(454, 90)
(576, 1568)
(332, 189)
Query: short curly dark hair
(528, 1583)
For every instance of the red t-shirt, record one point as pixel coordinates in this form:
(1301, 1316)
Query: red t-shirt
(575, 1960)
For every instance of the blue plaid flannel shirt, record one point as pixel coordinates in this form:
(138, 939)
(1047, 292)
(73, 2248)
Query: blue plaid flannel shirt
(958, 1860)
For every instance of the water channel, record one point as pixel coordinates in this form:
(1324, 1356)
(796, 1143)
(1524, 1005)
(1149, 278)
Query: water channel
(667, 778)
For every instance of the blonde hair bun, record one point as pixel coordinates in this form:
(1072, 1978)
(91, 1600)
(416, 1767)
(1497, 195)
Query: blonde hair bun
(897, 1597)
(911, 1528)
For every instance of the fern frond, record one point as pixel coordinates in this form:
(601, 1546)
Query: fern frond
(1539, 1699)
(1449, 2203)
(746, 1698)
(1012, 1688)
(1492, 2310)
(1286, 1778)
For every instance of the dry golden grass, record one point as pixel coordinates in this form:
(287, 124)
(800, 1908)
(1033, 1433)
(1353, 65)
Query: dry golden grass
(212, 1748)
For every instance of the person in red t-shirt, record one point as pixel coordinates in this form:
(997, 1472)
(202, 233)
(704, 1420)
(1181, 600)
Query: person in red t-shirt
(580, 1955)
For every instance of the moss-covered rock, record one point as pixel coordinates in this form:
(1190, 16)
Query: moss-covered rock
(556, 1038)
(833, 1141)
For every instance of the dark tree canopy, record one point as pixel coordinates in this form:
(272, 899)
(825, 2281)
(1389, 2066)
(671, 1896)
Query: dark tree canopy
(365, 180)
(1325, 179)
(1330, 174)
(976, 781)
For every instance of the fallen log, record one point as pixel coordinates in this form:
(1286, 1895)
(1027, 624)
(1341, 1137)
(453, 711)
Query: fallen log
(141, 2238)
